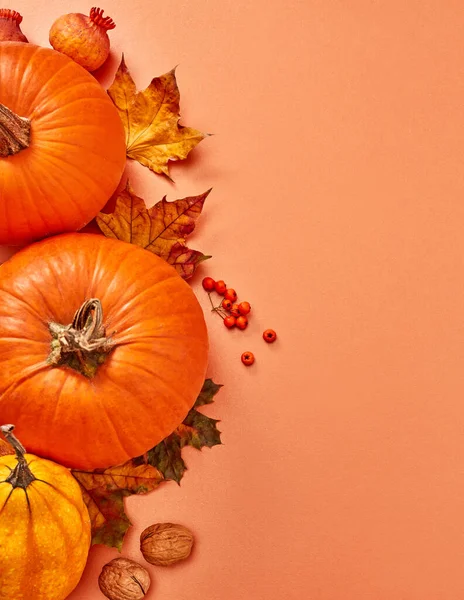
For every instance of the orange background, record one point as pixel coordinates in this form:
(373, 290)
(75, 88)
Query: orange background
(337, 211)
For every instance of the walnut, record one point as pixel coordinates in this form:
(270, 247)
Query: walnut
(124, 579)
(164, 544)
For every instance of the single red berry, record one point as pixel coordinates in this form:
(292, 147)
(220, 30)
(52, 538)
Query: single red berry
(234, 310)
(230, 294)
(208, 284)
(220, 287)
(230, 322)
(244, 308)
(248, 358)
(269, 336)
(242, 322)
(226, 303)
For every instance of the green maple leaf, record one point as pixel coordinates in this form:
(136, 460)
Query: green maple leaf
(197, 430)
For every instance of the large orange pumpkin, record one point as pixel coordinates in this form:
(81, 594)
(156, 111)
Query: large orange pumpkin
(103, 349)
(62, 146)
(44, 527)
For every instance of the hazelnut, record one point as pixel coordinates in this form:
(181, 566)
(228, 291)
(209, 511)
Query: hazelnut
(124, 579)
(164, 544)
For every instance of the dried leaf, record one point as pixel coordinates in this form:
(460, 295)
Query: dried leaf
(162, 229)
(104, 490)
(151, 120)
(109, 521)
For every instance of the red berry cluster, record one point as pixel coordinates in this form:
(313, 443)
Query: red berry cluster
(233, 314)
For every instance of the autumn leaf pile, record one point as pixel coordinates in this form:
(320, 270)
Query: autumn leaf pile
(153, 138)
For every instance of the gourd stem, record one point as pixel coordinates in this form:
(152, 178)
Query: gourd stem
(83, 344)
(7, 13)
(19, 449)
(15, 132)
(21, 476)
(96, 15)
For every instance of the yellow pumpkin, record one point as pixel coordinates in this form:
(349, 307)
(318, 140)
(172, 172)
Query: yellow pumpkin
(44, 527)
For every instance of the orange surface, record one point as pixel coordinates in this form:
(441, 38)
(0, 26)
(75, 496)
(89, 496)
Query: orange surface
(338, 211)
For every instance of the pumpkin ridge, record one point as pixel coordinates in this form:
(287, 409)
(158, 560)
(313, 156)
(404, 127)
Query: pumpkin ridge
(50, 114)
(56, 159)
(66, 535)
(60, 493)
(148, 289)
(35, 314)
(128, 257)
(26, 74)
(6, 500)
(39, 367)
(38, 477)
(10, 209)
(115, 429)
(23, 302)
(27, 50)
(89, 151)
(149, 401)
(37, 105)
(58, 397)
(97, 269)
(70, 171)
(36, 184)
(56, 182)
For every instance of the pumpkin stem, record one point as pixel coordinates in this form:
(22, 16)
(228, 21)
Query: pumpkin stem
(15, 132)
(83, 344)
(21, 476)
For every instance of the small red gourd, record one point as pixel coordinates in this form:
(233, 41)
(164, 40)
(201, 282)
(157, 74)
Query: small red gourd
(102, 345)
(62, 144)
(10, 30)
(83, 38)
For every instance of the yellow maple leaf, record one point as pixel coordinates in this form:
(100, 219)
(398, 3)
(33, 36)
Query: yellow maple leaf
(151, 120)
(161, 229)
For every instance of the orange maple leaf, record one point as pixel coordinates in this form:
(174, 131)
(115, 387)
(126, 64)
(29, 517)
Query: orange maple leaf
(161, 229)
(151, 120)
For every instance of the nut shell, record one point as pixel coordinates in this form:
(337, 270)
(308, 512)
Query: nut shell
(164, 544)
(124, 579)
